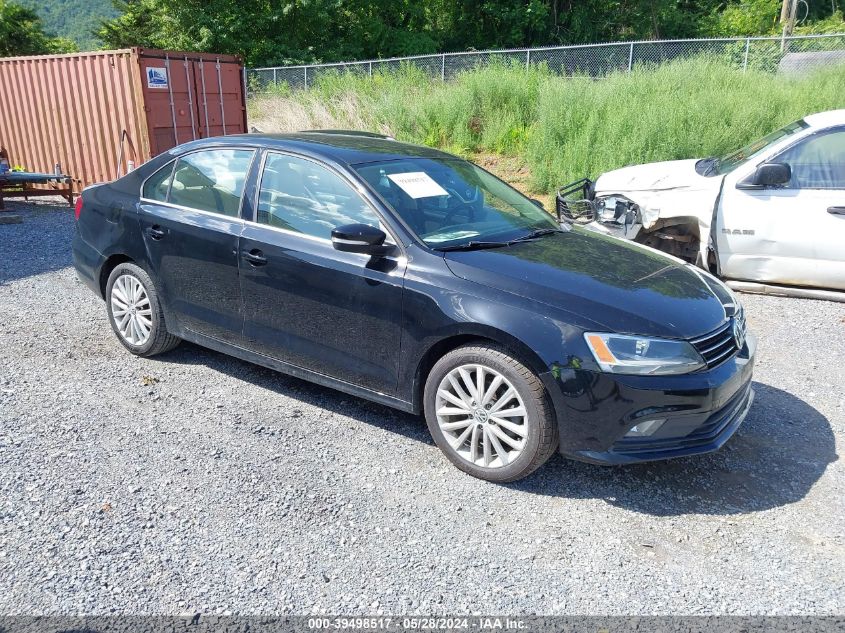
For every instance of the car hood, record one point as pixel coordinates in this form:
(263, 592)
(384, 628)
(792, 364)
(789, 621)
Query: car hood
(620, 286)
(671, 174)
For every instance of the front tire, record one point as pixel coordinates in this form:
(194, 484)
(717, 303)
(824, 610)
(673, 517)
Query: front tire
(135, 312)
(489, 414)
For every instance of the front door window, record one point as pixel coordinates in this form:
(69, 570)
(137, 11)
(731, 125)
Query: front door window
(301, 196)
(817, 162)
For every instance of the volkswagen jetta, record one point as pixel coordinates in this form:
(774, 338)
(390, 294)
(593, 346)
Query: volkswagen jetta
(416, 279)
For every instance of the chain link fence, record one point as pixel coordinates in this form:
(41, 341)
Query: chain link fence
(773, 54)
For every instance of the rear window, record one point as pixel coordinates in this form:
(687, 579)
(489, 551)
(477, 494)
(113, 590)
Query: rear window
(158, 184)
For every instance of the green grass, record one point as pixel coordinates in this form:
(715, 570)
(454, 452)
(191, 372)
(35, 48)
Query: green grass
(682, 110)
(490, 109)
(562, 128)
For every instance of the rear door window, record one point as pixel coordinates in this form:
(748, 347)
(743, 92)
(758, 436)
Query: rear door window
(211, 180)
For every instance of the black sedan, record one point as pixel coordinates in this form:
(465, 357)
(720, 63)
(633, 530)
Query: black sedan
(416, 279)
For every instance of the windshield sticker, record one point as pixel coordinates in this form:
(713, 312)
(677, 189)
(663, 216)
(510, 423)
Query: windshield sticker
(418, 184)
(447, 237)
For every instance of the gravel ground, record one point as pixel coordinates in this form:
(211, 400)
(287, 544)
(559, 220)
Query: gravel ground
(195, 482)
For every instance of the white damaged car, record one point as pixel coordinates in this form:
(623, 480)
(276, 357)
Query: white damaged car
(769, 217)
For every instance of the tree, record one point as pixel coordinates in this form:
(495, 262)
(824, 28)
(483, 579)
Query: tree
(260, 31)
(21, 33)
(752, 17)
(278, 32)
(73, 19)
(275, 32)
(764, 17)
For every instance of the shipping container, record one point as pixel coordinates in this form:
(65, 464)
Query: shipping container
(96, 114)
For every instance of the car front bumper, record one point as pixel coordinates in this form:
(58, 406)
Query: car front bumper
(701, 410)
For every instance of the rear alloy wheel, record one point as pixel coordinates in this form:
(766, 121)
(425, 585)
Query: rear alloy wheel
(489, 414)
(131, 310)
(135, 313)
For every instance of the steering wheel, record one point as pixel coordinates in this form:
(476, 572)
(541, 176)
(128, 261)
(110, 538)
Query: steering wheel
(456, 204)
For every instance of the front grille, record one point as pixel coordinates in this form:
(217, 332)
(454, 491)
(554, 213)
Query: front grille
(719, 345)
(705, 434)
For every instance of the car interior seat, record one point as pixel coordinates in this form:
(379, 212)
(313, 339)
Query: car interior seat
(191, 188)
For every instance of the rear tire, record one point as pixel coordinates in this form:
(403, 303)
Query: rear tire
(135, 312)
(489, 413)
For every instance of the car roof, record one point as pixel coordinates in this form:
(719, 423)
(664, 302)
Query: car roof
(341, 146)
(826, 119)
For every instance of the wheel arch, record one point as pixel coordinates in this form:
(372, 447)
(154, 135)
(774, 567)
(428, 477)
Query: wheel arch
(478, 334)
(112, 262)
(679, 236)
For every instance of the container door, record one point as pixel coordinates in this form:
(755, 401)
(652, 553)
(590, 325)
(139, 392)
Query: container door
(219, 98)
(169, 102)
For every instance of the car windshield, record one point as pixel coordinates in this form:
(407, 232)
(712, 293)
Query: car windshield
(731, 161)
(451, 202)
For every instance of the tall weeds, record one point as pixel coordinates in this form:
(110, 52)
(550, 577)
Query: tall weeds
(563, 128)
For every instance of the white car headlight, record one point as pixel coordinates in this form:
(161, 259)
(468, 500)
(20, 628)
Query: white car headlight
(621, 354)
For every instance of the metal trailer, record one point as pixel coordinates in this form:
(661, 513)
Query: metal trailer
(25, 185)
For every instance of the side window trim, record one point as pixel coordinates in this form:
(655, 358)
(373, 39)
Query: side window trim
(355, 187)
(239, 214)
(804, 139)
(254, 150)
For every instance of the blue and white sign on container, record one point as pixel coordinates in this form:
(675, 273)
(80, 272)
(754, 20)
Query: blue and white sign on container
(156, 77)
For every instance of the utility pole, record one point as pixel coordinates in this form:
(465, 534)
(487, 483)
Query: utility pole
(788, 13)
(793, 14)
(784, 11)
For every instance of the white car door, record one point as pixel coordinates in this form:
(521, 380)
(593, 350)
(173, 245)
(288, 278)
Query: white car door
(792, 234)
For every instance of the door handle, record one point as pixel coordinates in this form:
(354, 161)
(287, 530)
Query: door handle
(156, 232)
(255, 257)
(836, 210)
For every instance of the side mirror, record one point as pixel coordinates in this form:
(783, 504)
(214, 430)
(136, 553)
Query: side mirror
(360, 238)
(538, 203)
(768, 175)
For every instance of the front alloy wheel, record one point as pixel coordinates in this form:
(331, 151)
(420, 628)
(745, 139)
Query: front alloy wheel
(489, 413)
(482, 416)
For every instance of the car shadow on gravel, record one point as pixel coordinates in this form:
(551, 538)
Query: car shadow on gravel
(779, 453)
(307, 393)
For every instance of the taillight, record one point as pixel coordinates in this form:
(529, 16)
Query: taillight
(78, 208)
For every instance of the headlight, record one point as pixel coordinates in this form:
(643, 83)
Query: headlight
(620, 354)
(616, 210)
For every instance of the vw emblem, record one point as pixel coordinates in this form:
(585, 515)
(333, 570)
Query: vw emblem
(739, 333)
